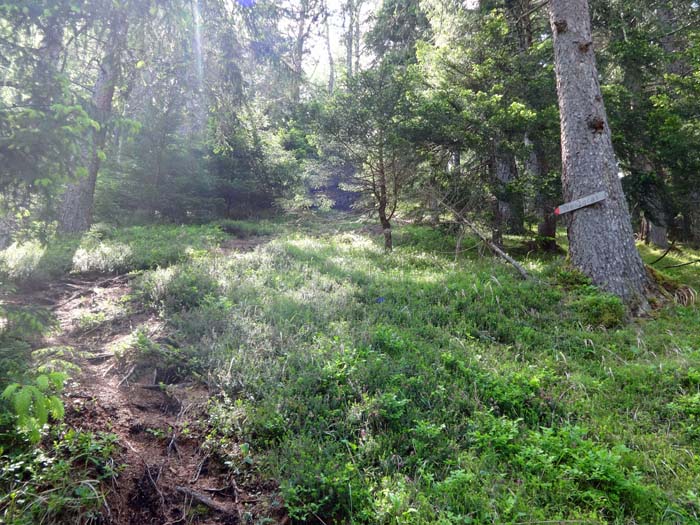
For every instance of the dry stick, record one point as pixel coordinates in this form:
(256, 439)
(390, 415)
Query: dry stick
(204, 500)
(72, 297)
(681, 265)
(664, 254)
(495, 249)
(127, 376)
(148, 472)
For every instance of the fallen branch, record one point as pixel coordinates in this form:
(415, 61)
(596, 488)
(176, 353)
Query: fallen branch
(127, 376)
(98, 358)
(205, 500)
(495, 249)
(681, 265)
(663, 254)
(77, 294)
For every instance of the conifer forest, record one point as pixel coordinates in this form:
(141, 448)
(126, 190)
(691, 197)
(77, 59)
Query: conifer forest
(349, 262)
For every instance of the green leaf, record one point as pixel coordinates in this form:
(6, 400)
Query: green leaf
(22, 402)
(56, 407)
(40, 411)
(57, 379)
(42, 382)
(140, 64)
(9, 391)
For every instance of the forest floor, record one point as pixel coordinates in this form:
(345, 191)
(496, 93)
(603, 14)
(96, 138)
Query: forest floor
(166, 475)
(291, 371)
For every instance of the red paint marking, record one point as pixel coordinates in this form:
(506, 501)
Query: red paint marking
(556, 211)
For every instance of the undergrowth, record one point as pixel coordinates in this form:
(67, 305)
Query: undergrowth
(412, 388)
(105, 250)
(48, 472)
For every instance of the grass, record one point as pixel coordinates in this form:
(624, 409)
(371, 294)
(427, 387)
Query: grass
(406, 388)
(412, 388)
(106, 250)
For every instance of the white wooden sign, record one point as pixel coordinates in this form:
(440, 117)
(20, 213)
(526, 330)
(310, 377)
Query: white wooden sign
(581, 203)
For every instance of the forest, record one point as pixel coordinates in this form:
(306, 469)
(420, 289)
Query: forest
(392, 262)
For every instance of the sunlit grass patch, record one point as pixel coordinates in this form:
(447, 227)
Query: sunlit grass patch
(106, 251)
(415, 388)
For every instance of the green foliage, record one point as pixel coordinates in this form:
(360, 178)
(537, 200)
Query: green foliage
(178, 288)
(599, 309)
(106, 251)
(244, 229)
(58, 483)
(32, 404)
(415, 389)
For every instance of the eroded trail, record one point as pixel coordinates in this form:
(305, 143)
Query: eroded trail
(167, 475)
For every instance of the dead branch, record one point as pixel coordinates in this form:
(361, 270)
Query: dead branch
(127, 376)
(204, 500)
(495, 249)
(681, 265)
(664, 254)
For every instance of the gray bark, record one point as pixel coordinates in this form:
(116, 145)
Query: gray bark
(382, 195)
(658, 235)
(349, 21)
(692, 218)
(547, 227)
(356, 34)
(75, 214)
(331, 62)
(600, 236)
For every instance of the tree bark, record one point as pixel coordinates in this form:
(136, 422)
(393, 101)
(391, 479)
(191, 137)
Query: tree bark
(383, 203)
(75, 214)
(600, 236)
(298, 52)
(547, 227)
(349, 19)
(692, 218)
(357, 33)
(331, 62)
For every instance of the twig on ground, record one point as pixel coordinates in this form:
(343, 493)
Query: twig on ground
(681, 265)
(663, 254)
(199, 469)
(204, 500)
(127, 376)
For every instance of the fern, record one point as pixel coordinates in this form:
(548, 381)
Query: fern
(33, 404)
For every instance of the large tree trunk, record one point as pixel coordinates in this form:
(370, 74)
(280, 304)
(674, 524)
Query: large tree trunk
(692, 218)
(600, 236)
(75, 214)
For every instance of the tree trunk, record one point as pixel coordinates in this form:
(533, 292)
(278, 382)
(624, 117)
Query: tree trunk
(600, 236)
(331, 62)
(538, 167)
(349, 19)
(658, 235)
(75, 213)
(298, 53)
(692, 218)
(356, 34)
(383, 201)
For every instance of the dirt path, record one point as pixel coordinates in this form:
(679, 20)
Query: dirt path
(167, 476)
